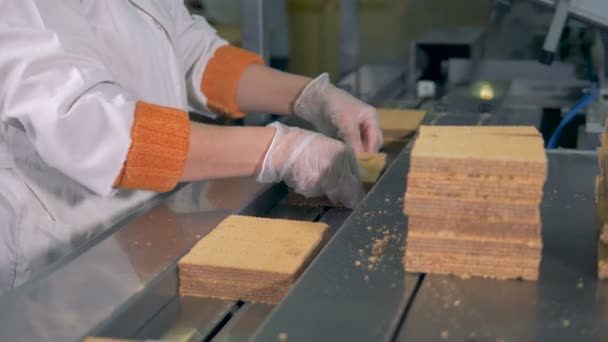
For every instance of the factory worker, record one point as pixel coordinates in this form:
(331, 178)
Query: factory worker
(93, 101)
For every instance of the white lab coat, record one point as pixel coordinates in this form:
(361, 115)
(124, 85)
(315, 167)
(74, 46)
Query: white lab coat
(71, 73)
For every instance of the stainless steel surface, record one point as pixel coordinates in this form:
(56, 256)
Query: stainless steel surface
(375, 82)
(255, 36)
(195, 319)
(254, 27)
(245, 322)
(459, 71)
(338, 297)
(121, 269)
(349, 35)
(592, 11)
(568, 303)
(557, 26)
(187, 319)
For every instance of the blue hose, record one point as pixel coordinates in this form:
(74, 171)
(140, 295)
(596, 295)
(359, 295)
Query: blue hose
(584, 102)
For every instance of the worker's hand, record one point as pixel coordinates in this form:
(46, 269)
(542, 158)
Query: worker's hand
(337, 114)
(313, 165)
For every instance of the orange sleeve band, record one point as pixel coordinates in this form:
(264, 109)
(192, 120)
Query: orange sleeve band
(221, 79)
(157, 157)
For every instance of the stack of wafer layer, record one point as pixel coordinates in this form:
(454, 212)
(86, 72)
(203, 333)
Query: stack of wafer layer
(601, 191)
(249, 258)
(473, 199)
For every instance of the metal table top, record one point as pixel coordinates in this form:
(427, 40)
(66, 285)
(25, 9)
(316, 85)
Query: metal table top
(102, 280)
(334, 300)
(568, 303)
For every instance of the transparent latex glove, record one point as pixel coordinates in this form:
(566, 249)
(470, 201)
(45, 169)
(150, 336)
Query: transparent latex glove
(337, 114)
(313, 165)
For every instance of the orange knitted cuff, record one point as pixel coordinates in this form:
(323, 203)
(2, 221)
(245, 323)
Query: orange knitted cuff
(157, 157)
(221, 79)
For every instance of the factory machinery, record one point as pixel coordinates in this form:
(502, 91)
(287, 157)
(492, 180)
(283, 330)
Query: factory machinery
(123, 282)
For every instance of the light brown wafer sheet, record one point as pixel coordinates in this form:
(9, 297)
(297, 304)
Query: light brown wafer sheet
(468, 270)
(603, 150)
(371, 166)
(480, 150)
(430, 164)
(218, 287)
(492, 242)
(601, 199)
(446, 254)
(250, 258)
(400, 120)
(258, 244)
(438, 261)
(481, 209)
(523, 131)
(604, 178)
(473, 196)
(479, 143)
(449, 226)
(477, 178)
(453, 186)
(477, 247)
(259, 293)
(604, 233)
(233, 274)
(602, 264)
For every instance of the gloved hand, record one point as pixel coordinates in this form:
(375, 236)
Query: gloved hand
(337, 114)
(313, 165)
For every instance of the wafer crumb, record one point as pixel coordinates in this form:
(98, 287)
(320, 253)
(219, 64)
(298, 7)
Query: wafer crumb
(445, 334)
(357, 263)
(283, 337)
(457, 302)
(379, 245)
(565, 323)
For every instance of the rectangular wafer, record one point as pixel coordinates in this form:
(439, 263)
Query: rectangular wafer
(250, 258)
